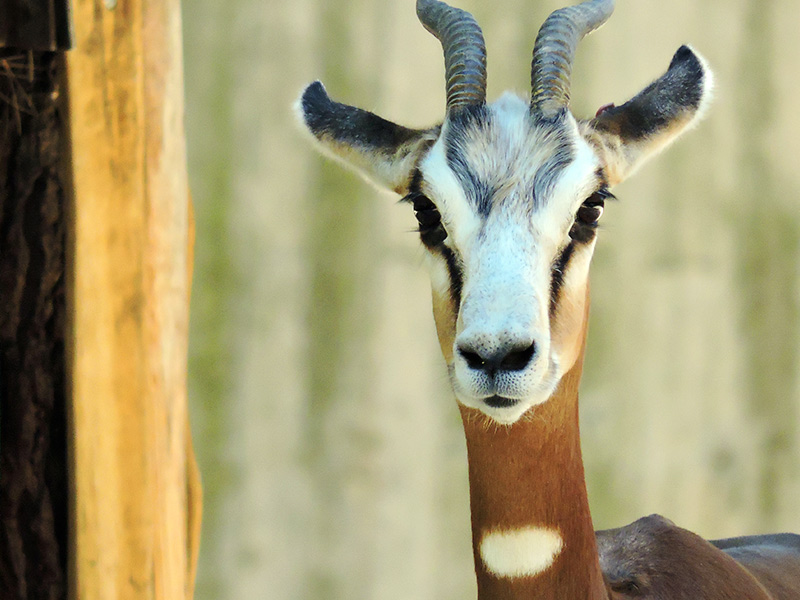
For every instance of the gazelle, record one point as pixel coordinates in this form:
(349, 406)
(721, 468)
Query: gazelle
(508, 196)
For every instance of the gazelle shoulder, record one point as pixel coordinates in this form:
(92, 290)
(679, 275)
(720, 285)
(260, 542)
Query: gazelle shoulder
(773, 559)
(654, 559)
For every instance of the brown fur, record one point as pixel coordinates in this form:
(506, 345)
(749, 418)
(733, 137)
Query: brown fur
(773, 559)
(531, 474)
(654, 559)
(444, 312)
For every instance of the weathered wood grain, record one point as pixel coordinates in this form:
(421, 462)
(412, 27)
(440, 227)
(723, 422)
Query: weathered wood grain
(136, 490)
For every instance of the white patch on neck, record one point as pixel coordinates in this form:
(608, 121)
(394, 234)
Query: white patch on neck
(520, 552)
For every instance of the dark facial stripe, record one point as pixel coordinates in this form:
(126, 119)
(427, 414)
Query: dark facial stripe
(453, 268)
(480, 188)
(552, 169)
(557, 279)
(415, 185)
(456, 279)
(480, 192)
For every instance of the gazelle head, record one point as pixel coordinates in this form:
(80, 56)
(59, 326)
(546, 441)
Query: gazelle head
(508, 196)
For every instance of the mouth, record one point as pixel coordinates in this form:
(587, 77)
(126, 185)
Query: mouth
(500, 402)
(501, 408)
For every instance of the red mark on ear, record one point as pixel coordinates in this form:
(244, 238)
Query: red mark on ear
(604, 108)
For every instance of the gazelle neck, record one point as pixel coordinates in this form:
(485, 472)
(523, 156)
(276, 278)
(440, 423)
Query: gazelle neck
(532, 533)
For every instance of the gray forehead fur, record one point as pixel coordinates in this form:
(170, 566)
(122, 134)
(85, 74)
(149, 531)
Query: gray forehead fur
(484, 163)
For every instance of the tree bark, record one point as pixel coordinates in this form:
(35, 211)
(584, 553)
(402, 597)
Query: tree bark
(35, 24)
(33, 489)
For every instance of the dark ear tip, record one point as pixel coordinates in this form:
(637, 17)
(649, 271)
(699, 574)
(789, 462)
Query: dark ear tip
(683, 53)
(314, 98)
(315, 93)
(688, 61)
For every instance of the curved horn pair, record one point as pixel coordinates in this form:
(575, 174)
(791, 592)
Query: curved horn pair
(553, 53)
(464, 51)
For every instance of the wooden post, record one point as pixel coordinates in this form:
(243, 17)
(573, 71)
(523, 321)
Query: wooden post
(33, 192)
(135, 487)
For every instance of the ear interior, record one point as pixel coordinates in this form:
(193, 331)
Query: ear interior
(627, 135)
(384, 152)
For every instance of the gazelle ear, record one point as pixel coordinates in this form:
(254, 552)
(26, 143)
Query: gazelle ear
(625, 136)
(384, 152)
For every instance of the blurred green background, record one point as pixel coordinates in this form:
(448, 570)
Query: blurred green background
(331, 448)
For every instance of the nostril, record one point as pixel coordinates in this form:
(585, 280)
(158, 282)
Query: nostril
(518, 358)
(514, 359)
(473, 359)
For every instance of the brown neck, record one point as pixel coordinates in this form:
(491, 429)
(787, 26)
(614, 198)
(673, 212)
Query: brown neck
(530, 475)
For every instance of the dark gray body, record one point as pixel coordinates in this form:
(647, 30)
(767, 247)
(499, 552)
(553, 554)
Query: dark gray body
(654, 559)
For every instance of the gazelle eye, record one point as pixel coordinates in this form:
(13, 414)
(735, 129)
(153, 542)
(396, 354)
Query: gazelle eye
(428, 217)
(431, 230)
(588, 215)
(590, 212)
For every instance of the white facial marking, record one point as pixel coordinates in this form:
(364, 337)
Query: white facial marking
(440, 277)
(578, 180)
(507, 252)
(458, 216)
(520, 552)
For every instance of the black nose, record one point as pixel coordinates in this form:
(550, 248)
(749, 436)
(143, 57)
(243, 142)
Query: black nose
(512, 358)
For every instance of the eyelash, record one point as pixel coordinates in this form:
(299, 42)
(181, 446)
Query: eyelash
(431, 229)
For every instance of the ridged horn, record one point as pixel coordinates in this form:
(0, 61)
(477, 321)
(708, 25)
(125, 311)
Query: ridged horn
(464, 51)
(554, 51)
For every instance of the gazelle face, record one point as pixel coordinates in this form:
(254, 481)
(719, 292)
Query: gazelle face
(508, 196)
(508, 211)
